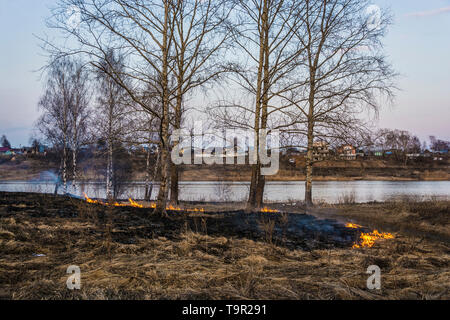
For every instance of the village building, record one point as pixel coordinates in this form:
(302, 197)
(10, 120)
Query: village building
(5, 151)
(321, 151)
(347, 152)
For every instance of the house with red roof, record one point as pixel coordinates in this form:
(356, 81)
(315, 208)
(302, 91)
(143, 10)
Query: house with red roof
(5, 151)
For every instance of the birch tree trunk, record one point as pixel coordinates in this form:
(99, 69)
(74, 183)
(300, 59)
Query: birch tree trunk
(110, 172)
(174, 186)
(64, 173)
(147, 177)
(259, 194)
(256, 168)
(310, 139)
(309, 165)
(155, 173)
(74, 165)
(163, 188)
(110, 160)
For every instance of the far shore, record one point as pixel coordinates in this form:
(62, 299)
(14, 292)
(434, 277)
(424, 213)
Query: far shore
(35, 178)
(366, 170)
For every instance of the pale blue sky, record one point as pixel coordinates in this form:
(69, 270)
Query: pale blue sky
(418, 45)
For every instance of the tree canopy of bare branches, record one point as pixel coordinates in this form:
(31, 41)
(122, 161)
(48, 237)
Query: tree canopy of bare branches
(65, 110)
(343, 71)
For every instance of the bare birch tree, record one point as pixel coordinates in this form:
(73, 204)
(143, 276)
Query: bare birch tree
(79, 115)
(200, 34)
(111, 114)
(345, 70)
(57, 104)
(141, 31)
(266, 57)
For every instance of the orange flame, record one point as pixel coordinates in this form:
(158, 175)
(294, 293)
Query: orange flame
(115, 204)
(267, 210)
(368, 239)
(353, 225)
(137, 205)
(172, 208)
(89, 200)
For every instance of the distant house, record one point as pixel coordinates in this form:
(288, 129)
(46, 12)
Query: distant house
(361, 153)
(347, 152)
(427, 154)
(374, 151)
(320, 151)
(40, 150)
(413, 155)
(16, 151)
(293, 151)
(5, 151)
(27, 150)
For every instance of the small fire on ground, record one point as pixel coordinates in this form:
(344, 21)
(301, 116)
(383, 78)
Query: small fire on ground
(172, 208)
(367, 240)
(115, 204)
(267, 210)
(353, 226)
(134, 204)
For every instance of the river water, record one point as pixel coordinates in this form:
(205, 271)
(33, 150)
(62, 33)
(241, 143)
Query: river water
(326, 191)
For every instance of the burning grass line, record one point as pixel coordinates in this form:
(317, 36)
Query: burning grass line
(353, 226)
(172, 208)
(368, 239)
(267, 210)
(132, 203)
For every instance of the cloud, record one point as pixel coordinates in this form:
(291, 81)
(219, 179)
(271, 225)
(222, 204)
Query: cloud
(429, 13)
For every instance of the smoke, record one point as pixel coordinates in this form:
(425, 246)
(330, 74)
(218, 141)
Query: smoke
(49, 176)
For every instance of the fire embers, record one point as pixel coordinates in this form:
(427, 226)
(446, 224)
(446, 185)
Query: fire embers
(353, 226)
(172, 208)
(267, 210)
(368, 240)
(134, 204)
(115, 204)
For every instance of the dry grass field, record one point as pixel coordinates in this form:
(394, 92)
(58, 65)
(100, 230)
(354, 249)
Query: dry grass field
(128, 253)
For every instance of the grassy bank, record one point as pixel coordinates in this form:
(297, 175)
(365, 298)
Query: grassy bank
(338, 170)
(128, 253)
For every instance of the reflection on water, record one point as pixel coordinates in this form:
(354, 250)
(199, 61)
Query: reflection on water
(328, 191)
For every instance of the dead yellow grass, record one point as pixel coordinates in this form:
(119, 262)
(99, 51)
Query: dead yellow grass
(195, 265)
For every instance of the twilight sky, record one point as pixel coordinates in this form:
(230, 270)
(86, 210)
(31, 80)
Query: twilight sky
(418, 45)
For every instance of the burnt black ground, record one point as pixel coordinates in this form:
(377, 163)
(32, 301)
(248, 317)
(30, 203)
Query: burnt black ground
(291, 230)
